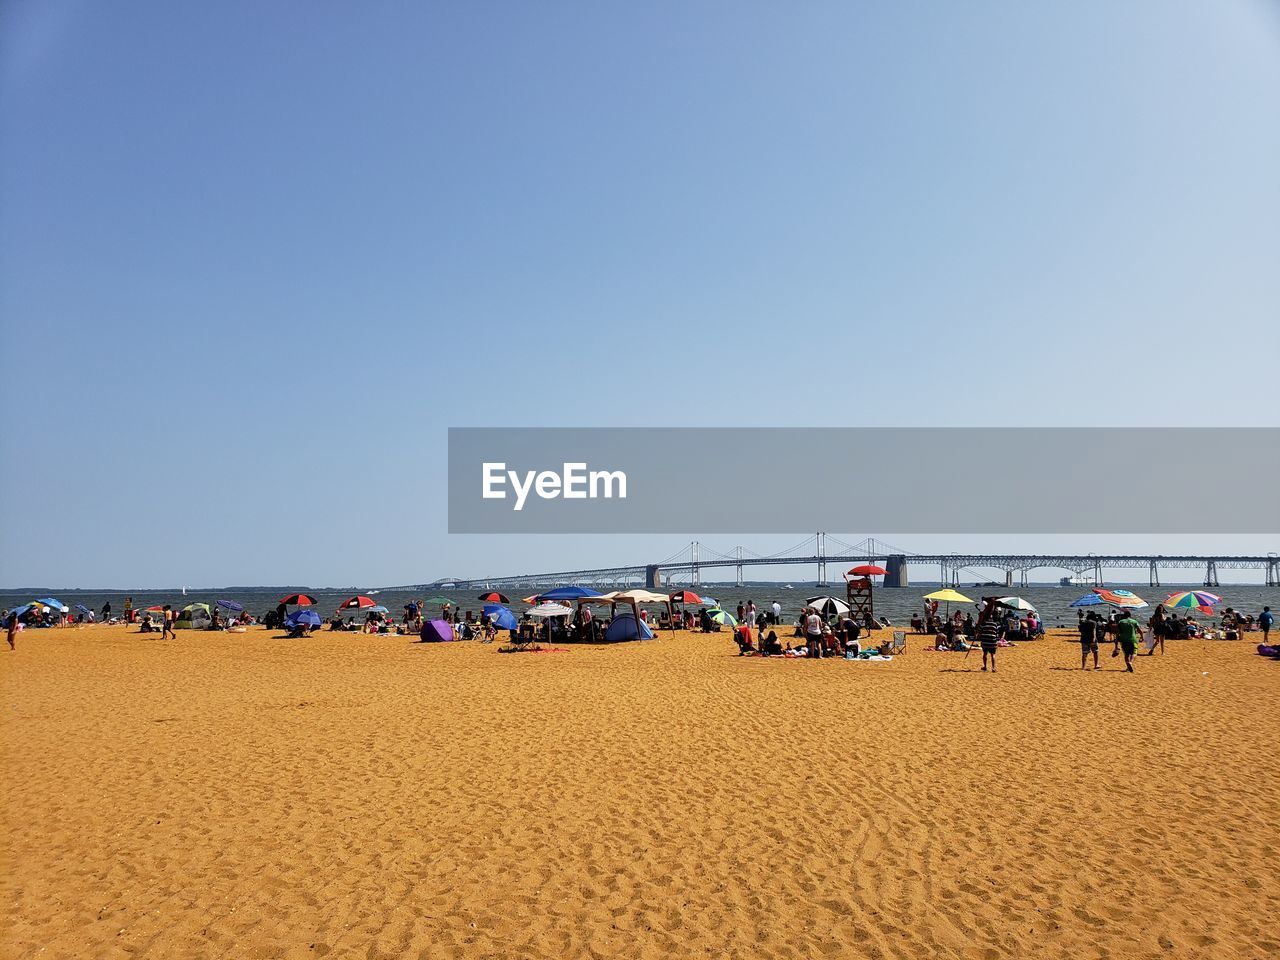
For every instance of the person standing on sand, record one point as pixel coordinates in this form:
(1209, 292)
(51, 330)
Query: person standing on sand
(1266, 620)
(813, 632)
(11, 629)
(168, 624)
(989, 635)
(1089, 642)
(1128, 634)
(106, 611)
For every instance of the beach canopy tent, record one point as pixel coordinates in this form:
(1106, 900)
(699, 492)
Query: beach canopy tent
(194, 616)
(298, 599)
(637, 596)
(302, 618)
(571, 592)
(500, 616)
(828, 606)
(625, 626)
(358, 602)
(436, 631)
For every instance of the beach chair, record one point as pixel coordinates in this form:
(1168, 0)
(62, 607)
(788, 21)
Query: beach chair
(899, 642)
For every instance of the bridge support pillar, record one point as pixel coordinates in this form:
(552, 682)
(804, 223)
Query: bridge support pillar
(1153, 579)
(897, 571)
(822, 559)
(652, 577)
(1008, 578)
(1273, 573)
(1211, 574)
(1023, 578)
(1097, 573)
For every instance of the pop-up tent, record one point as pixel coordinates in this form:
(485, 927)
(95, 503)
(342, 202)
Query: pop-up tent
(436, 631)
(194, 616)
(623, 627)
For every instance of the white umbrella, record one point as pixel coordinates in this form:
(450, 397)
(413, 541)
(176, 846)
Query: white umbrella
(828, 605)
(1016, 603)
(550, 610)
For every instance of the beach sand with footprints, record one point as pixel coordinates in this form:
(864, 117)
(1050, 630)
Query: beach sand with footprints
(244, 796)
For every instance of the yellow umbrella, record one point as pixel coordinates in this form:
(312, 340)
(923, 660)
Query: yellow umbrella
(948, 595)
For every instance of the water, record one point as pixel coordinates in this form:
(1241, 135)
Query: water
(1052, 601)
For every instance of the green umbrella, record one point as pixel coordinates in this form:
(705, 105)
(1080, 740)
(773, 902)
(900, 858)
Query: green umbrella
(720, 616)
(440, 600)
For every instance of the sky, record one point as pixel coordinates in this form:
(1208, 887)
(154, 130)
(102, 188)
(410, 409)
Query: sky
(256, 259)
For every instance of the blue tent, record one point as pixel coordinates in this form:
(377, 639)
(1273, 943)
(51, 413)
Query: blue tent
(501, 617)
(301, 618)
(623, 627)
(567, 593)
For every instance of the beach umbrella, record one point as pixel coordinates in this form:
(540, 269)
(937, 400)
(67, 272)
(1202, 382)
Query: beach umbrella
(500, 617)
(551, 610)
(300, 618)
(358, 602)
(828, 605)
(709, 602)
(685, 596)
(301, 599)
(81, 608)
(157, 608)
(23, 610)
(1121, 598)
(231, 605)
(867, 570)
(438, 599)
(1089, 600)
(379, 609)
(1016, 603)
(948, 596)
(56, 604)
(1193, 599)
(493, 597)
(722, 617)
(572, 592)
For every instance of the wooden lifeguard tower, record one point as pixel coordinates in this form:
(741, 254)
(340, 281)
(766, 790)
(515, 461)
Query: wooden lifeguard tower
(859, 591)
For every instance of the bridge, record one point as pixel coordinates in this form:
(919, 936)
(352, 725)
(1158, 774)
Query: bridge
(822, 549)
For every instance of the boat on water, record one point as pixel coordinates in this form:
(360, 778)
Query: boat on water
(1075, 581)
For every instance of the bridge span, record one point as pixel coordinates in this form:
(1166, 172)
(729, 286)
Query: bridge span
(687, 566)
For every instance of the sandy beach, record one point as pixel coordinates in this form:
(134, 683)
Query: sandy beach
(244, 796)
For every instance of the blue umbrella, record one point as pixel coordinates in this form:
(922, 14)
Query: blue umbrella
(231, 605)
(51, 602)
(567, 593)
(302, 618)
(378, 609)
(709, 602)
(500, 616)
(1092, 600)
(22, 610)
(81, 608)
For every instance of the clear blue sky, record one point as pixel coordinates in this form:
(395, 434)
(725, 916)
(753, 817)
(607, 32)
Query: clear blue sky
(256, 258)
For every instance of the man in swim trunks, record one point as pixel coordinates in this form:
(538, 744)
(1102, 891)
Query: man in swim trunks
(1128, 633)
(1089, 641)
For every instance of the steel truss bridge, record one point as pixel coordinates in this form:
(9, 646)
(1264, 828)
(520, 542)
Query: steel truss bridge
(821, 549)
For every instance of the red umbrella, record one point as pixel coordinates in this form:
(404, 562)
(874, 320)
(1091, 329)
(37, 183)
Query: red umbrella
(867, 570)
(494, 597)
(301, 599)
(685, 596)
(357, 603)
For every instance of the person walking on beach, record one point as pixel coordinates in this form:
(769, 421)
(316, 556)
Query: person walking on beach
(1089, 642)
(1128, 634)
(1266, 620)
(11, 629)
(989, 635)
(168, 624)
(106, 611)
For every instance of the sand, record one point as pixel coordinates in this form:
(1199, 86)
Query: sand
(244, 796)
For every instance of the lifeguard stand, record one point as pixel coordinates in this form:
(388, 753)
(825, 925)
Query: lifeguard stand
(858, 592)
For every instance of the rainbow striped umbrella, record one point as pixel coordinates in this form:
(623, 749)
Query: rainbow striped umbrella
(1197, 599)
